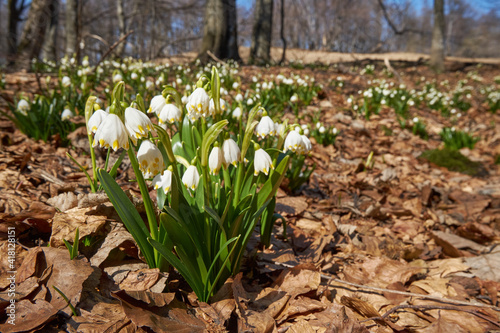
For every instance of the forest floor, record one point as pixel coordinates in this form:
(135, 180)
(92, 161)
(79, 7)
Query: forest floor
(398, 244)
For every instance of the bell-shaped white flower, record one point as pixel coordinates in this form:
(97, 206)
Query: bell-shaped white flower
(66, 81)
(306, 143)
(191, 178)
(163, 181)
(231, 152)
(111, 133)
(198, 104)
(67, 114)
(150, 159)
(265, 127)
(23, 106)
(157, 104)
(215, 160)
(262, 162)
(137, 124)
(169, 114)
(95, 120)
(237, 113)
(211, 108)
(117, 78)
(294, 142)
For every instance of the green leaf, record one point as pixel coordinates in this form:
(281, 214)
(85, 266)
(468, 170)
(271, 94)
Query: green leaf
(272, 184)
(128, 214)
(209, 138)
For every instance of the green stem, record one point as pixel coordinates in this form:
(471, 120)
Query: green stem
(237, 185)
(148, 204)
(94, 166)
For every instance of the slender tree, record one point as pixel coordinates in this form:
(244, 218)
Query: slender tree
(438, 37)
(71, 27)
(260, 51)
(49, 50)
(220, 31)
(16, 9)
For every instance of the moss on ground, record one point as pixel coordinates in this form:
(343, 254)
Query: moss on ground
(453, 160)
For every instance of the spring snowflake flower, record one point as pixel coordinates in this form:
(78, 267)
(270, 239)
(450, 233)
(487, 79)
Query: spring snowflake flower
(231, 152)
(262, 162)
(137, 123)
(67, 114)
(306, 143)
(149, 86)
(150, 159)
(66, 81)
(95, 120)
(211, 108)
(191, 178)
(265, 127)
(238, 98)
(237, 113)
(117, 78)
(294, 98)
(294, 142)
(215, 160)
(157, 104)
(163, 181)
(134, 76)
(111, 133)
(198, 104)
(322, 129)
(23, 106)
(85, 62)
(169, 114)
(249, 101)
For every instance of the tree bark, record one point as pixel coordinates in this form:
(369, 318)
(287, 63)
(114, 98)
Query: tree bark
(120, 13)
(438, 37)
(260, 51)
(33, 34)
(49, 50)
(71, 27)
(15, 11)
(220, 32)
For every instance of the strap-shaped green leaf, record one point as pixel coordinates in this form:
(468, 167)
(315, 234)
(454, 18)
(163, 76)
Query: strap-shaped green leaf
(128, 214)
(272, 184)
(209, 138)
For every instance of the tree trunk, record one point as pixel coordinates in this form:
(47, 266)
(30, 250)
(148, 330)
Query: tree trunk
(438, 37)
(260, 51)
(34, 32)
(120, 13)
(71, 27)
(220, 32)
(49, 50)
(14, 19)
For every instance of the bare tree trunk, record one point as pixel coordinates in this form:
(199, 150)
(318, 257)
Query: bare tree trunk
(15, 11)
(438, 37)
(120, 13)
(220, 32)
(71, 27)
(260, 51)
(49, 50)
(34, 32)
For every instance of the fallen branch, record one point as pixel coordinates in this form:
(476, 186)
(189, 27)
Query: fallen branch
(215, 58)
(112, 47)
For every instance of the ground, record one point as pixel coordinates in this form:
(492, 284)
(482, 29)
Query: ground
(387, 243)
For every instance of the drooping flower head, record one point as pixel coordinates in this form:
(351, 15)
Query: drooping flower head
(66, 81)
(211, 108)
(163, 181)
(150, 159)
(198, 104)
(137, 124)
(23, 106)
(294, 142)
(231, 152)
(262, 161)
(95, 120)
(111, 133)
(265, 126)
(191, 178)
(169, 114)
(67, 114)
(215, 160)
(157, 104)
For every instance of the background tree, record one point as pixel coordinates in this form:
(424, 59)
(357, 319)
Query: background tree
(220, 34)
(71, 26)
(16, 9)
(438, 37)
(260, 51)
(49, 50)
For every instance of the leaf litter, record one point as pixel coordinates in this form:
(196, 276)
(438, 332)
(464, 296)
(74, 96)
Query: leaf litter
(401, 245)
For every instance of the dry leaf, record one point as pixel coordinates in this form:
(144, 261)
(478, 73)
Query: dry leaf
(485, 266)
(298, 280)
(140, 280)
(30, 316)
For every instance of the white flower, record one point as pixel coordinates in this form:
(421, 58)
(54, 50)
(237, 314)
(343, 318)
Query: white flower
(134, 76)
(137, 123)
(198, 104)
(215, 160)
(265, 127)
(163, 181)
(150, 159)
(95, 120)
(231, 152)
(111, 133)
(322, 129)
(294, 142)
(294, 98)
(85, 62)
(335, 131)
(117, 78)
(66, 81)
(249, 101)
(157, 104)
(415, 120)
(169, 114)
(306, 143)
(211, 108)
(235, 85)
(184, 99)
(66, 114)
(23, 106)
(149, 86)
(237, 113)
(191, 178)
(262, 162)
(238, 98)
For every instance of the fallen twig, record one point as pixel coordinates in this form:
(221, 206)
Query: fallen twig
(112, 47)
